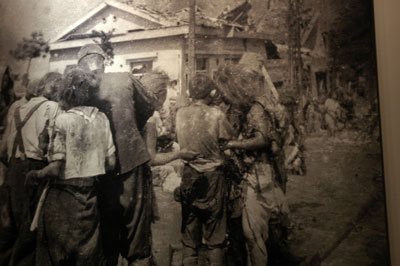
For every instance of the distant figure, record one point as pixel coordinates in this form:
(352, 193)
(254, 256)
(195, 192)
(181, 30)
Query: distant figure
(7, 96)
(332, 114)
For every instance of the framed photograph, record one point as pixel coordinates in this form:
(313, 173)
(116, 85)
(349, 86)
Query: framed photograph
(190, 132)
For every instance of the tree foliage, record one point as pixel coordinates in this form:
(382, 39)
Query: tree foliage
(32, 47)
(105, 44)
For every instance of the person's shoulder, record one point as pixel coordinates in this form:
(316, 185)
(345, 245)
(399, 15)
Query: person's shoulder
(63, 118)
(257, 107)
(102, 116)
(17, 103)
(52, 104)
(216, 111)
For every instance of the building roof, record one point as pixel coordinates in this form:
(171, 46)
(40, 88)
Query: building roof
(156, 18)
(154, 24)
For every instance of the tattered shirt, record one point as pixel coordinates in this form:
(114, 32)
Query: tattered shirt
(83, 139)
(199, 128)
(261, 173)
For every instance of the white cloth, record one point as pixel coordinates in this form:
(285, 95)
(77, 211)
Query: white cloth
(83, 139)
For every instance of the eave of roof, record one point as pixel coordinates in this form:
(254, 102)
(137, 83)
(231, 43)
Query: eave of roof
(163, 33)
(115, 4)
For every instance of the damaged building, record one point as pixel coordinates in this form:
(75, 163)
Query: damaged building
(145, 39)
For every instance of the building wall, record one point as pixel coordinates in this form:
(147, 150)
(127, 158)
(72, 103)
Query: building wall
(168, 54)
(219, 50)
(165, 54)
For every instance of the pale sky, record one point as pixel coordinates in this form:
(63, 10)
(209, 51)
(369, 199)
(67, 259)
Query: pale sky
(19, 18)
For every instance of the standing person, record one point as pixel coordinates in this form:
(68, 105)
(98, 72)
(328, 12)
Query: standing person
(125, 199)
(24, 147)
(332, 114)
(258, 148)
(82, 149)
(201, 128)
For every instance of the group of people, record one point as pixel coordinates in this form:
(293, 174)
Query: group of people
(78, 149)
(78, 184)
(234, 191)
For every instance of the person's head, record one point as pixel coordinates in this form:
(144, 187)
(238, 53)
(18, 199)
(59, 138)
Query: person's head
(202, 87)
(76, 88)
(32, 89)
(49, 86)
(238, 85)
(91, 58)
(156, 82)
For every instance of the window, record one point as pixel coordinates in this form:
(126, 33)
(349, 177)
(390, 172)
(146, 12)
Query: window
(138, 67)
(202, 64)
(233, 60)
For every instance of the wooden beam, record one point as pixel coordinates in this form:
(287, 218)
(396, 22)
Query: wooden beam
(192, 40)
(309, 28)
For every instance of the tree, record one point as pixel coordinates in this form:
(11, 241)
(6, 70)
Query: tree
(31, 48)
(105, 44)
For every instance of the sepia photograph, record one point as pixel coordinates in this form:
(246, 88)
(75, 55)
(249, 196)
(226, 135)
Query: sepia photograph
(190, 132)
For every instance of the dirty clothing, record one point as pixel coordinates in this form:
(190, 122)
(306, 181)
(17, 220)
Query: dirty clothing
(70, 228)
(128, 105)
(263, 196)
(199, 128)
(203, 188)
(29, 127)
(83, 140)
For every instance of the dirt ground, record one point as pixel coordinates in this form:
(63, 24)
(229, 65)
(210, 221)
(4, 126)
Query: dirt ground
(343, 182)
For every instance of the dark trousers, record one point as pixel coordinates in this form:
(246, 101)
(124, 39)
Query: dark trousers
(69, 228)
(126, 213)
(204, 215)
(17, 206)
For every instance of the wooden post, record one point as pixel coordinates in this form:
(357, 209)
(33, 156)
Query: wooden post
(290, 44)
(299, 59)
(192, 40)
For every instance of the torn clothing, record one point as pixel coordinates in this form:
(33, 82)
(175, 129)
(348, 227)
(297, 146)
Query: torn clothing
(199, 129)
(69, 228)
(203, 208)
(82, 139)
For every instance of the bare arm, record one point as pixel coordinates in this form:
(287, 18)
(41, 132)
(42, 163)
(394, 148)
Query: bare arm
(51, 170)
(256, 142)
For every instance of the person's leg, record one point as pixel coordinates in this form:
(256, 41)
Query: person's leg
(8, 229)
(136, 201)
(215, 226)
(191, 236)
(89, 250)
(191, 227)
(255, 228)
(110, 213)
(24, 197)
